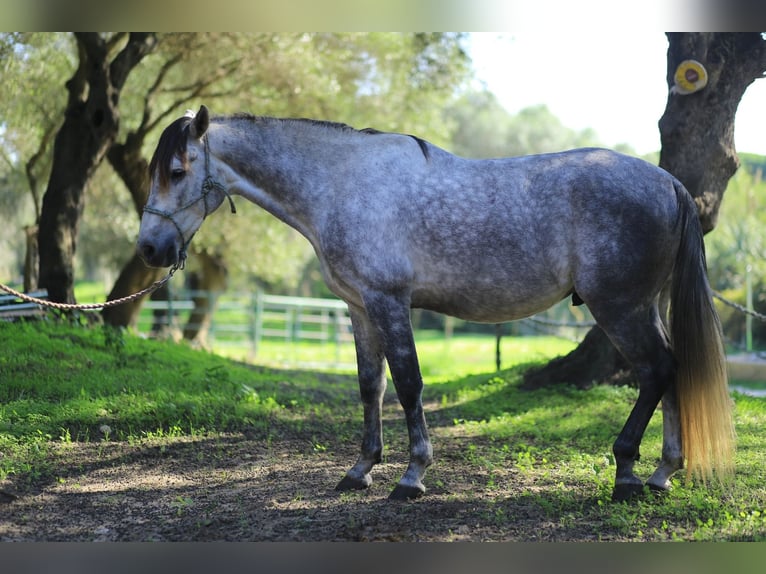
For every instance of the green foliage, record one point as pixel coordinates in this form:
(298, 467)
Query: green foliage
(753, 164)
(485, 129)
(34, 67)
(739, 239)
(739, 242)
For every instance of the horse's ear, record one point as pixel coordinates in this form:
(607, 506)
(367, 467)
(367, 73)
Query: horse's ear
(200, 122)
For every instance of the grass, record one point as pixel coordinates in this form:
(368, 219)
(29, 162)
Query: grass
(439, 358)
(560, 439)
(63, 384)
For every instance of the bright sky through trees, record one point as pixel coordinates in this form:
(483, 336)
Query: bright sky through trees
(612, 81)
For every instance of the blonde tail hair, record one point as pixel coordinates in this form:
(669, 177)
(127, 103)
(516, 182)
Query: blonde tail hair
(707, 429)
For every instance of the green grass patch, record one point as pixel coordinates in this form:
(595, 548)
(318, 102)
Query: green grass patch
(82, 384)
(550, 448)
(559, 440)
(440, 358)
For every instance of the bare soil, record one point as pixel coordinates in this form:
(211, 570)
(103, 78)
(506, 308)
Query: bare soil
(237, 487)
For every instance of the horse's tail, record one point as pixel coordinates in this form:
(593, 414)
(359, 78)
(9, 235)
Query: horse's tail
(707, 430)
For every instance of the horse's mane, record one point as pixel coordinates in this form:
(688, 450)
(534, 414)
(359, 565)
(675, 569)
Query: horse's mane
(326, 124)
(173, 141)
(305, 121)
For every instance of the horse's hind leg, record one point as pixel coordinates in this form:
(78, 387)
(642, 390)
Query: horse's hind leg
(372, 384)
(645, 345)
(672, 452)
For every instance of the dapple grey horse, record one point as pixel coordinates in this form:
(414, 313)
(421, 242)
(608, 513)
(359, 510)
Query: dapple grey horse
(397, 222)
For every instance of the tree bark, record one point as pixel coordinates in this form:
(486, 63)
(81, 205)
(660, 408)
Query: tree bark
(31, 259)
(90, 127)
(697, 136)
(697, 130)
(594, 361)
(134, 276)
(209, 281)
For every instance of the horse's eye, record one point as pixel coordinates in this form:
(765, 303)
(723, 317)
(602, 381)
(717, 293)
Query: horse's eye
(177, 174)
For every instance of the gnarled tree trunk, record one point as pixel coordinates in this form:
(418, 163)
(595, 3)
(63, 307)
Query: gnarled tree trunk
(90, 127)
(209, 281)
(697, 135)
(134, 277)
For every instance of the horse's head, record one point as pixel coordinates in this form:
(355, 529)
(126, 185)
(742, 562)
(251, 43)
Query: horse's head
(183, 191)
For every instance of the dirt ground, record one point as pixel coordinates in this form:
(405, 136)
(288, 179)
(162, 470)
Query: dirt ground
(237, 488)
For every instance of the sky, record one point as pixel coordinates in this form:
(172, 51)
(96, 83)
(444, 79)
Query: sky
(610, 81)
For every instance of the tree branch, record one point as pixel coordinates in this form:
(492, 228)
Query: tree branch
(139, 45)
(76, 85)
(32, 163)
(145, 124)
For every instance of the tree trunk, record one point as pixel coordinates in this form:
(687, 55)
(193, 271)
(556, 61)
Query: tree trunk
(697, 130)
(90, 126)
(31, 259)
(134, 276)
(594, 361)
(697, 135)
(209, 282)
(162, 319)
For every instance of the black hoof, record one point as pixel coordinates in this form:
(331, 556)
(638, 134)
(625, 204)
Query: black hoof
(406, 492)
(627, 492)
(349, 483)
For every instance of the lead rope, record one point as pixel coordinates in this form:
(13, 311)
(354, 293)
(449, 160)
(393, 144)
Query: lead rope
(93, 306)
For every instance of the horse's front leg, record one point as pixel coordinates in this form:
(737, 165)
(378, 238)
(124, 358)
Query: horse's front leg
(371, 367)
(391, 317)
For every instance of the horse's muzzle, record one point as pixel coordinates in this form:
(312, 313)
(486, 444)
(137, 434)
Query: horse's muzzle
(158, 254)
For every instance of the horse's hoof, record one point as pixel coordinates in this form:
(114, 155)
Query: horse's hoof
(626, 492)
(351, 483)
(402, 492)
(657, 489)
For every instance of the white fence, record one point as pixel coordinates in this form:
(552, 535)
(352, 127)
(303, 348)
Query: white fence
(250, 318)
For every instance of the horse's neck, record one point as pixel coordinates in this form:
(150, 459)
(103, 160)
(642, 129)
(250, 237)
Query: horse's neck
(266, 153)
(274, 167)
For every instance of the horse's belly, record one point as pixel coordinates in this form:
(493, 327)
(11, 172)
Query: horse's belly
(489, 304)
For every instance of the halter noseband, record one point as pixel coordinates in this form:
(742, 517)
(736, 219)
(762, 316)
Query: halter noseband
(208, 184)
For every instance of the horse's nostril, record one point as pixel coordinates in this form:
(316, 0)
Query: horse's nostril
(158, 253)
(147, 251)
